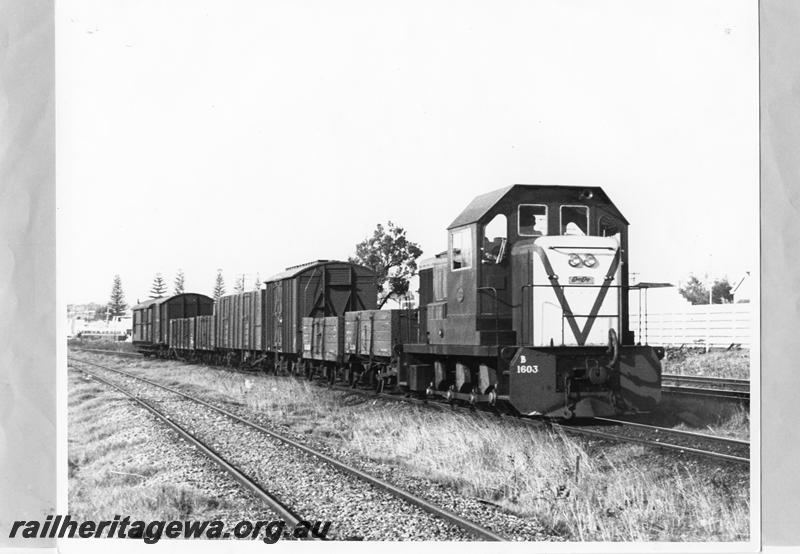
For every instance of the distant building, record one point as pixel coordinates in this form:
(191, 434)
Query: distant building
(81, 322)
(86, 312)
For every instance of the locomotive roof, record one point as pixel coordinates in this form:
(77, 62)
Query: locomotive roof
(163, 299)
(481, 205)
(295, 270)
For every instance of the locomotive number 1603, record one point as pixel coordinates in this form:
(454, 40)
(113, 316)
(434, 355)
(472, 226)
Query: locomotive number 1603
(523, 368)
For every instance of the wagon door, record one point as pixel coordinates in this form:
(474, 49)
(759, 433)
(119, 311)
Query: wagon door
(247, 314)
(156, 324)
(258, 326)
(277, 316)
(340, 288)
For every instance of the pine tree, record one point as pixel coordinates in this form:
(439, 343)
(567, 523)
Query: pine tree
(159, 287)
(117, 305)
(219, 286)
(179, 280)
(257, 285)
(239, 287)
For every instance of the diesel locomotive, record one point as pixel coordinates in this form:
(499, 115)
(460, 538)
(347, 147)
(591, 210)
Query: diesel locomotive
(528, 308)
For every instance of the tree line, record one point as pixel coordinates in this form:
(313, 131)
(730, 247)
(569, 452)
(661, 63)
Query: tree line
(696, 292)
(388, 252)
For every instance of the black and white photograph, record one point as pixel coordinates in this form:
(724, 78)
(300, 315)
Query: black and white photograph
(432, 273)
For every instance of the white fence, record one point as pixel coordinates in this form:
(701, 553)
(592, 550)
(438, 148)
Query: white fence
(715, 324)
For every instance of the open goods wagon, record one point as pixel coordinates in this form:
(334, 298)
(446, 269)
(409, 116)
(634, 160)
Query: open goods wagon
(358, 342)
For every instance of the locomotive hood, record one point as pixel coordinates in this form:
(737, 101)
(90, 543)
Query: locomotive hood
(576, 283)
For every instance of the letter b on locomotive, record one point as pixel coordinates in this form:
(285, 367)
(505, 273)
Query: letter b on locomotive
(532, 386)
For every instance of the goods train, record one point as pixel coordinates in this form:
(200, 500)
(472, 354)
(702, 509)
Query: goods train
(528, 307)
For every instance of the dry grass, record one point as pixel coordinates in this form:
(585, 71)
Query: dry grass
(714, 417)
(114, 466)
(621, 493)
(731, 364)
(618, 494)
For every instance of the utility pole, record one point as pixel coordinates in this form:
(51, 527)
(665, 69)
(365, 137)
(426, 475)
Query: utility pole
(710, 285)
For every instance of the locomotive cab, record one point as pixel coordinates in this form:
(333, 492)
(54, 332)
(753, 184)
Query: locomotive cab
(473, 296)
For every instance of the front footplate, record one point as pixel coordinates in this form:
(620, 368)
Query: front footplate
(552, 381)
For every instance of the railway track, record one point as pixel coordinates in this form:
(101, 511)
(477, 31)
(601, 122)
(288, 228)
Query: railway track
(278, 507)
(465, 526)
(712, 382)
(618, 430)
(700, 444)
(111, 352)
(706, 387)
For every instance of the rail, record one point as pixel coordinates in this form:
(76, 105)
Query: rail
(276, 505)
(476, 530)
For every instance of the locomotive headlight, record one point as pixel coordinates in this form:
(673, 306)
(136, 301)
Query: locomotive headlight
(575, 260)
(589, 260)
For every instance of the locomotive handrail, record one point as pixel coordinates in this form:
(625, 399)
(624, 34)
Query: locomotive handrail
(550, 285)
(496, 314)
(613, 249)
(524, 305)
(590, 315)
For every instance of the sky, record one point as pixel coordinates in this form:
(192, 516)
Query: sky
(251, 136)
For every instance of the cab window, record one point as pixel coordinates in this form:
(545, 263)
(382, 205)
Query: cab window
(494, 240)
(460, 249)
(532, 220)
(607, 227)
(574, 220)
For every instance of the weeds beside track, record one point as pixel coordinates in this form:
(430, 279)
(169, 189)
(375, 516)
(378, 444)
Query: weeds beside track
(607, 491)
